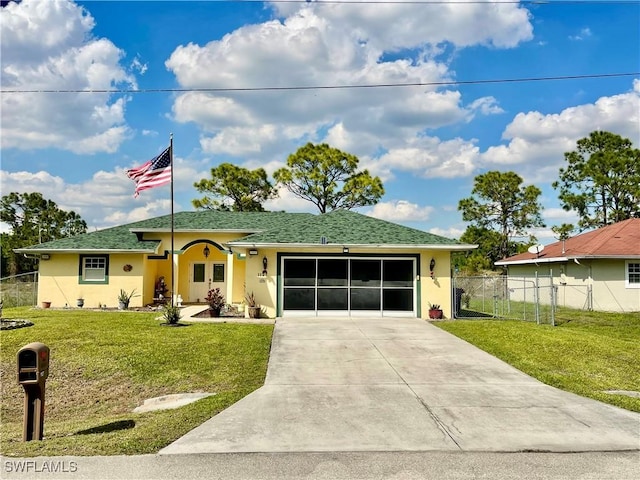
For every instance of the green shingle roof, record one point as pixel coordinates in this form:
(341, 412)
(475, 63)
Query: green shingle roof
(344, 227)
(116, 238)
(339, 227)
(220, 221)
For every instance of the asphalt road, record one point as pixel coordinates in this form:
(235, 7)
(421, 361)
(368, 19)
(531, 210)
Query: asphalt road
(333, 466)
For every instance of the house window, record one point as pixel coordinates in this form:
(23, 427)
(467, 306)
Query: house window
(218, 272)
(94, 269)
(633, 274)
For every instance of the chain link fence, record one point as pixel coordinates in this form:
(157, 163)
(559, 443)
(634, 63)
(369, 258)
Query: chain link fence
(19, 290)
(532, 299)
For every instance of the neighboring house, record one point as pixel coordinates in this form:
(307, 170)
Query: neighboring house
(597, 270)
(338, 263)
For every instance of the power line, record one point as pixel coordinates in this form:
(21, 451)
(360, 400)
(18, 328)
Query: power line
(331, 87)
(443, 2)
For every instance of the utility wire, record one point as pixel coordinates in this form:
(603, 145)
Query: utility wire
(330, 87)
(441, 2)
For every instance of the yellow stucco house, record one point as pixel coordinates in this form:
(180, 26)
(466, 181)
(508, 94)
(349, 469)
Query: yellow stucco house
(338, 263)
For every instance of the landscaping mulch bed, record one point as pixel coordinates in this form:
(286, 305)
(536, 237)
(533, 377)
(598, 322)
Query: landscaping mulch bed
(208, 313)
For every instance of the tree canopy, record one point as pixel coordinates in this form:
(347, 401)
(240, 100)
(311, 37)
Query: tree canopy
(234, 188)
(329, 178)
(564, 231)
(33, 220)
(499, 202)
(601, 181)
(488, 251)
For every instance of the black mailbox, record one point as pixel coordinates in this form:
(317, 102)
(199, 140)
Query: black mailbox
(33, 364)
(33, 370)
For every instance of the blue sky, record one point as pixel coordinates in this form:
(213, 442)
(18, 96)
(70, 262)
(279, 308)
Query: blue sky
(426, 142)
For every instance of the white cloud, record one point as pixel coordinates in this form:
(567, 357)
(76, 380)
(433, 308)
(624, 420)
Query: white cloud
(400, 211)
(392, 26)
(431, 157)
(287, 201)
(338, 45)
(149, 209)
(47, 45)
(537, 142)
(241, 141)
(582, 35)
(559, 215)
(451, 232)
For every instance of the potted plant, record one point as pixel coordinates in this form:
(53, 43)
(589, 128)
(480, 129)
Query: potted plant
(215, 299)
(253, 308)
(435, 312)
(124, 298)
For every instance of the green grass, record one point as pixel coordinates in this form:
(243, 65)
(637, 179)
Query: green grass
(586, 353)
(104, 364)
(503, 309)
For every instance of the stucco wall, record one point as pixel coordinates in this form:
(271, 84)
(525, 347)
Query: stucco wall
(610, 292)
(59, 281)
(605, 278)
(263, 287)
(436, 290)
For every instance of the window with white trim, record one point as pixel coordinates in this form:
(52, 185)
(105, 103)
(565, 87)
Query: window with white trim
(633, 275)
(94, 269)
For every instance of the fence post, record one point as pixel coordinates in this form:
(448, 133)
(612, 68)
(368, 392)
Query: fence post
(484, 279)
(536, 295)
(554, 302)
(524, 299)
(551, 294)
(495, 300)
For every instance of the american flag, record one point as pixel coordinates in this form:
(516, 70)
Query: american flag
(154, 173)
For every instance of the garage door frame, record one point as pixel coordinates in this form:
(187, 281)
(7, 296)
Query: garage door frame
(382, 288)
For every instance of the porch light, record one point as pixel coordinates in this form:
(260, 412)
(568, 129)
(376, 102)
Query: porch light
(432, 266)
(253, 252)
(345, 249)
(206, 251)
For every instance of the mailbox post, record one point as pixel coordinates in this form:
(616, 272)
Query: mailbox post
(33, 370)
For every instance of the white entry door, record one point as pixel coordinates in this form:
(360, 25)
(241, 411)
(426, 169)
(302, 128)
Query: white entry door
(204, 276)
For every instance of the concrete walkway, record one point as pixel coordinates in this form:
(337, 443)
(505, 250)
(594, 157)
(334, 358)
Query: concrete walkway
(402, 385)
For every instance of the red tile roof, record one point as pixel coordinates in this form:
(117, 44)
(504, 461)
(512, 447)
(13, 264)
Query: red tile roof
(621, 239)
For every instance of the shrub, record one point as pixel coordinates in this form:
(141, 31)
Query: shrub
(171, 314)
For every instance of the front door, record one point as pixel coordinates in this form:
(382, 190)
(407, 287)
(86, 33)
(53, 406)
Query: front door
(205, 276)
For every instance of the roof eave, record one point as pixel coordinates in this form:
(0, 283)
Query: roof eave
(455, 247)
(50, 251)
(532, 261)
(196, 230)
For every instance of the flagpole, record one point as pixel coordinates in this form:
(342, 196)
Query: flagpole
(173, 282)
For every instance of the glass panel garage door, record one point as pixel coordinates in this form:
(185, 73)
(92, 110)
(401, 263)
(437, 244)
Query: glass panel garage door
(353, 286)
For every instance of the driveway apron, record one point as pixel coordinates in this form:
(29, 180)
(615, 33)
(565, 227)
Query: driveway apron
(393, 384)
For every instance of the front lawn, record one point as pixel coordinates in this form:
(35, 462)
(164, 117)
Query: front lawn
(586, 353)
(104, 364)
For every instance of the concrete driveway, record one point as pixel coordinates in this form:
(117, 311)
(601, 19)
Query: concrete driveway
(394, 384)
